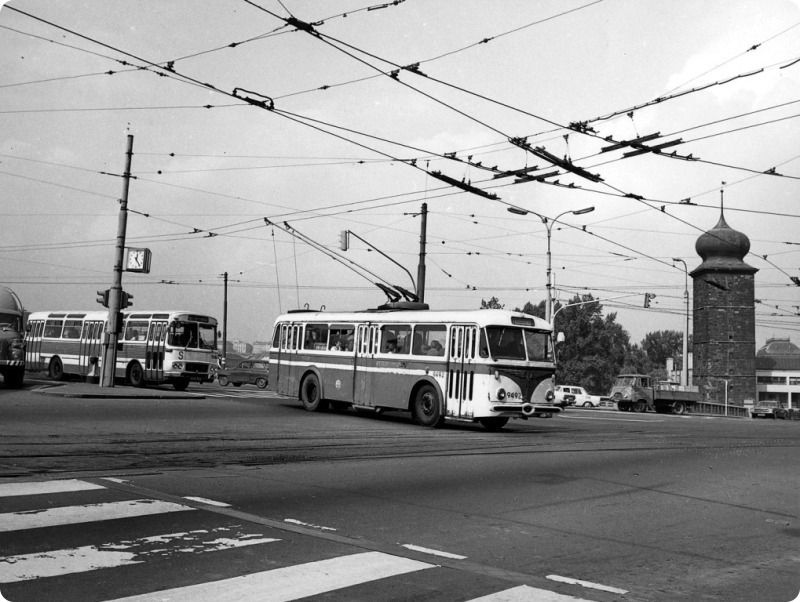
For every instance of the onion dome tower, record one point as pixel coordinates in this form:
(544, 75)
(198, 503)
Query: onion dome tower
(724, 345)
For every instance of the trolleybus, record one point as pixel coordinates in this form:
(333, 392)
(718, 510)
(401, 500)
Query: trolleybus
(154, 347)
(483, 366)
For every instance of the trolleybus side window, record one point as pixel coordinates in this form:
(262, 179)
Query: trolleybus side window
(72, 329)
(316, 337)
(136, 330)
(429, 339)
(342, 336)
(52, 328)
(395, 338)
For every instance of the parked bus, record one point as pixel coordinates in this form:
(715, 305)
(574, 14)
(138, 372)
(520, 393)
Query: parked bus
(12, 342)
(154, 347)
(481, 366)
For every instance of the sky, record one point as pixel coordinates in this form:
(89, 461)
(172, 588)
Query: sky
(263, 129)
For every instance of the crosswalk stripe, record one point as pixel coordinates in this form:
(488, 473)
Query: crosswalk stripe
(291, 582)
(43, 487)
(50, 517)
(25, 567)
(525, 593)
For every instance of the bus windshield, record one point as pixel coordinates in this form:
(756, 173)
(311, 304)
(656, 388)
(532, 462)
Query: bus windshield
(515, 343)
(191, 335)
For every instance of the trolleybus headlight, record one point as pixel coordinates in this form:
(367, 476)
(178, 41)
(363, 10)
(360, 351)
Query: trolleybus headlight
(501, 394)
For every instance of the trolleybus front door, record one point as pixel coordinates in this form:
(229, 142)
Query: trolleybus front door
(462, 343)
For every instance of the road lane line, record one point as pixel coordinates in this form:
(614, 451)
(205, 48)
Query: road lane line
(525, 593)
(46, 487)
(208, 502)
(589, 584)
(54, 563)
(50, 517)
(291, 582)
(411, 546)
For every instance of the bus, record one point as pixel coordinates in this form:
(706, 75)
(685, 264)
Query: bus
(12, 343)
(153, 347)
(484, 366)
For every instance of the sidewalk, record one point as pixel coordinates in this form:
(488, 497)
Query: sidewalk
(95, 391)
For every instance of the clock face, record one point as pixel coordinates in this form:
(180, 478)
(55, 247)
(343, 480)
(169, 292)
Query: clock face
(137, 260)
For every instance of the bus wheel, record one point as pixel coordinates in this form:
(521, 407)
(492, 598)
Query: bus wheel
(493, 423)
(427, 409)
(311, 395)
(136, 374)
(56, 370)
(181, 384)
(261, 383)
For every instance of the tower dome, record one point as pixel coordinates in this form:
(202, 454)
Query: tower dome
(723, 249)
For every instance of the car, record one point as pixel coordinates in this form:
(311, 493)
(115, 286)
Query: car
(247, 372)
(573, 395)
(769, 409)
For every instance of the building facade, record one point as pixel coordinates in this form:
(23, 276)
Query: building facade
(778, 372)
(724, 329)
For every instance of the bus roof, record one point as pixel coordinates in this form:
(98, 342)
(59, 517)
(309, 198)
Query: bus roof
(481, 317)
(101, 314)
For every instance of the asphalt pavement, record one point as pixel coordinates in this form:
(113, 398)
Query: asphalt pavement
(95, 391)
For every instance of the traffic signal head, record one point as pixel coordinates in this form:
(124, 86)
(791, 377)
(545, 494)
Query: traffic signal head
(102, 297)
(125, 300)
(647, 298)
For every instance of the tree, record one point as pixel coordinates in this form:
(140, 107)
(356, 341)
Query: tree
(595, 348)
(493, 303)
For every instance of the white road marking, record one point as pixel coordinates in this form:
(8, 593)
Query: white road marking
(34, 519)
(410, 546)
(620, 419)
(525, 593)
(46, 487)
(24, 567)
(294, 521)
(203, 500)
(291, 582)
(589, 584)
(115, 480)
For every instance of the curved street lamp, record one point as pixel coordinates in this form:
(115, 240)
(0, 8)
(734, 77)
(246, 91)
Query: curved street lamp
(548, 224)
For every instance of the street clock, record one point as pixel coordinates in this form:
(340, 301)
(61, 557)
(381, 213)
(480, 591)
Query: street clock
(137, 260)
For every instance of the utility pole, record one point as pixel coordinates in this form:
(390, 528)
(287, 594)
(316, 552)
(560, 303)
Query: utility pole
(421, 267)
(685, 364)
(115, 293)
(225, 322)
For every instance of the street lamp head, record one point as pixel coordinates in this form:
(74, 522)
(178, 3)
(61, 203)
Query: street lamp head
(582, 211)
(516, 210)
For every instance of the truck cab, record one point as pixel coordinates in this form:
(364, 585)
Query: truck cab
(12, 342)
(632, 392)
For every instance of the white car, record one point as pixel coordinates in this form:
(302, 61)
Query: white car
(576, 396)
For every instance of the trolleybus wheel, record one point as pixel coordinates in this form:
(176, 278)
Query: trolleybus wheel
(261, 382)
(427, 409)
(493, 423)
(56, 369)
(311, 394)
(136, 374)
(180, 384)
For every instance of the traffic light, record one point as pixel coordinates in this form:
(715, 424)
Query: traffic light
(647, 298)
(344, 240)
(102, 297)
(125, 300)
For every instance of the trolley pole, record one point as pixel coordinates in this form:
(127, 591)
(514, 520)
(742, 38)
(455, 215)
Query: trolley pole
(225, 322)
(115, 293)
(421, 267)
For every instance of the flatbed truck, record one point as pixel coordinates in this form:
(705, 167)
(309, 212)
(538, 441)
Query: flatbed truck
(640, 393)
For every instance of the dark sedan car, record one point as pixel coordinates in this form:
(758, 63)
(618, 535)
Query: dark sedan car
(248, 372)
